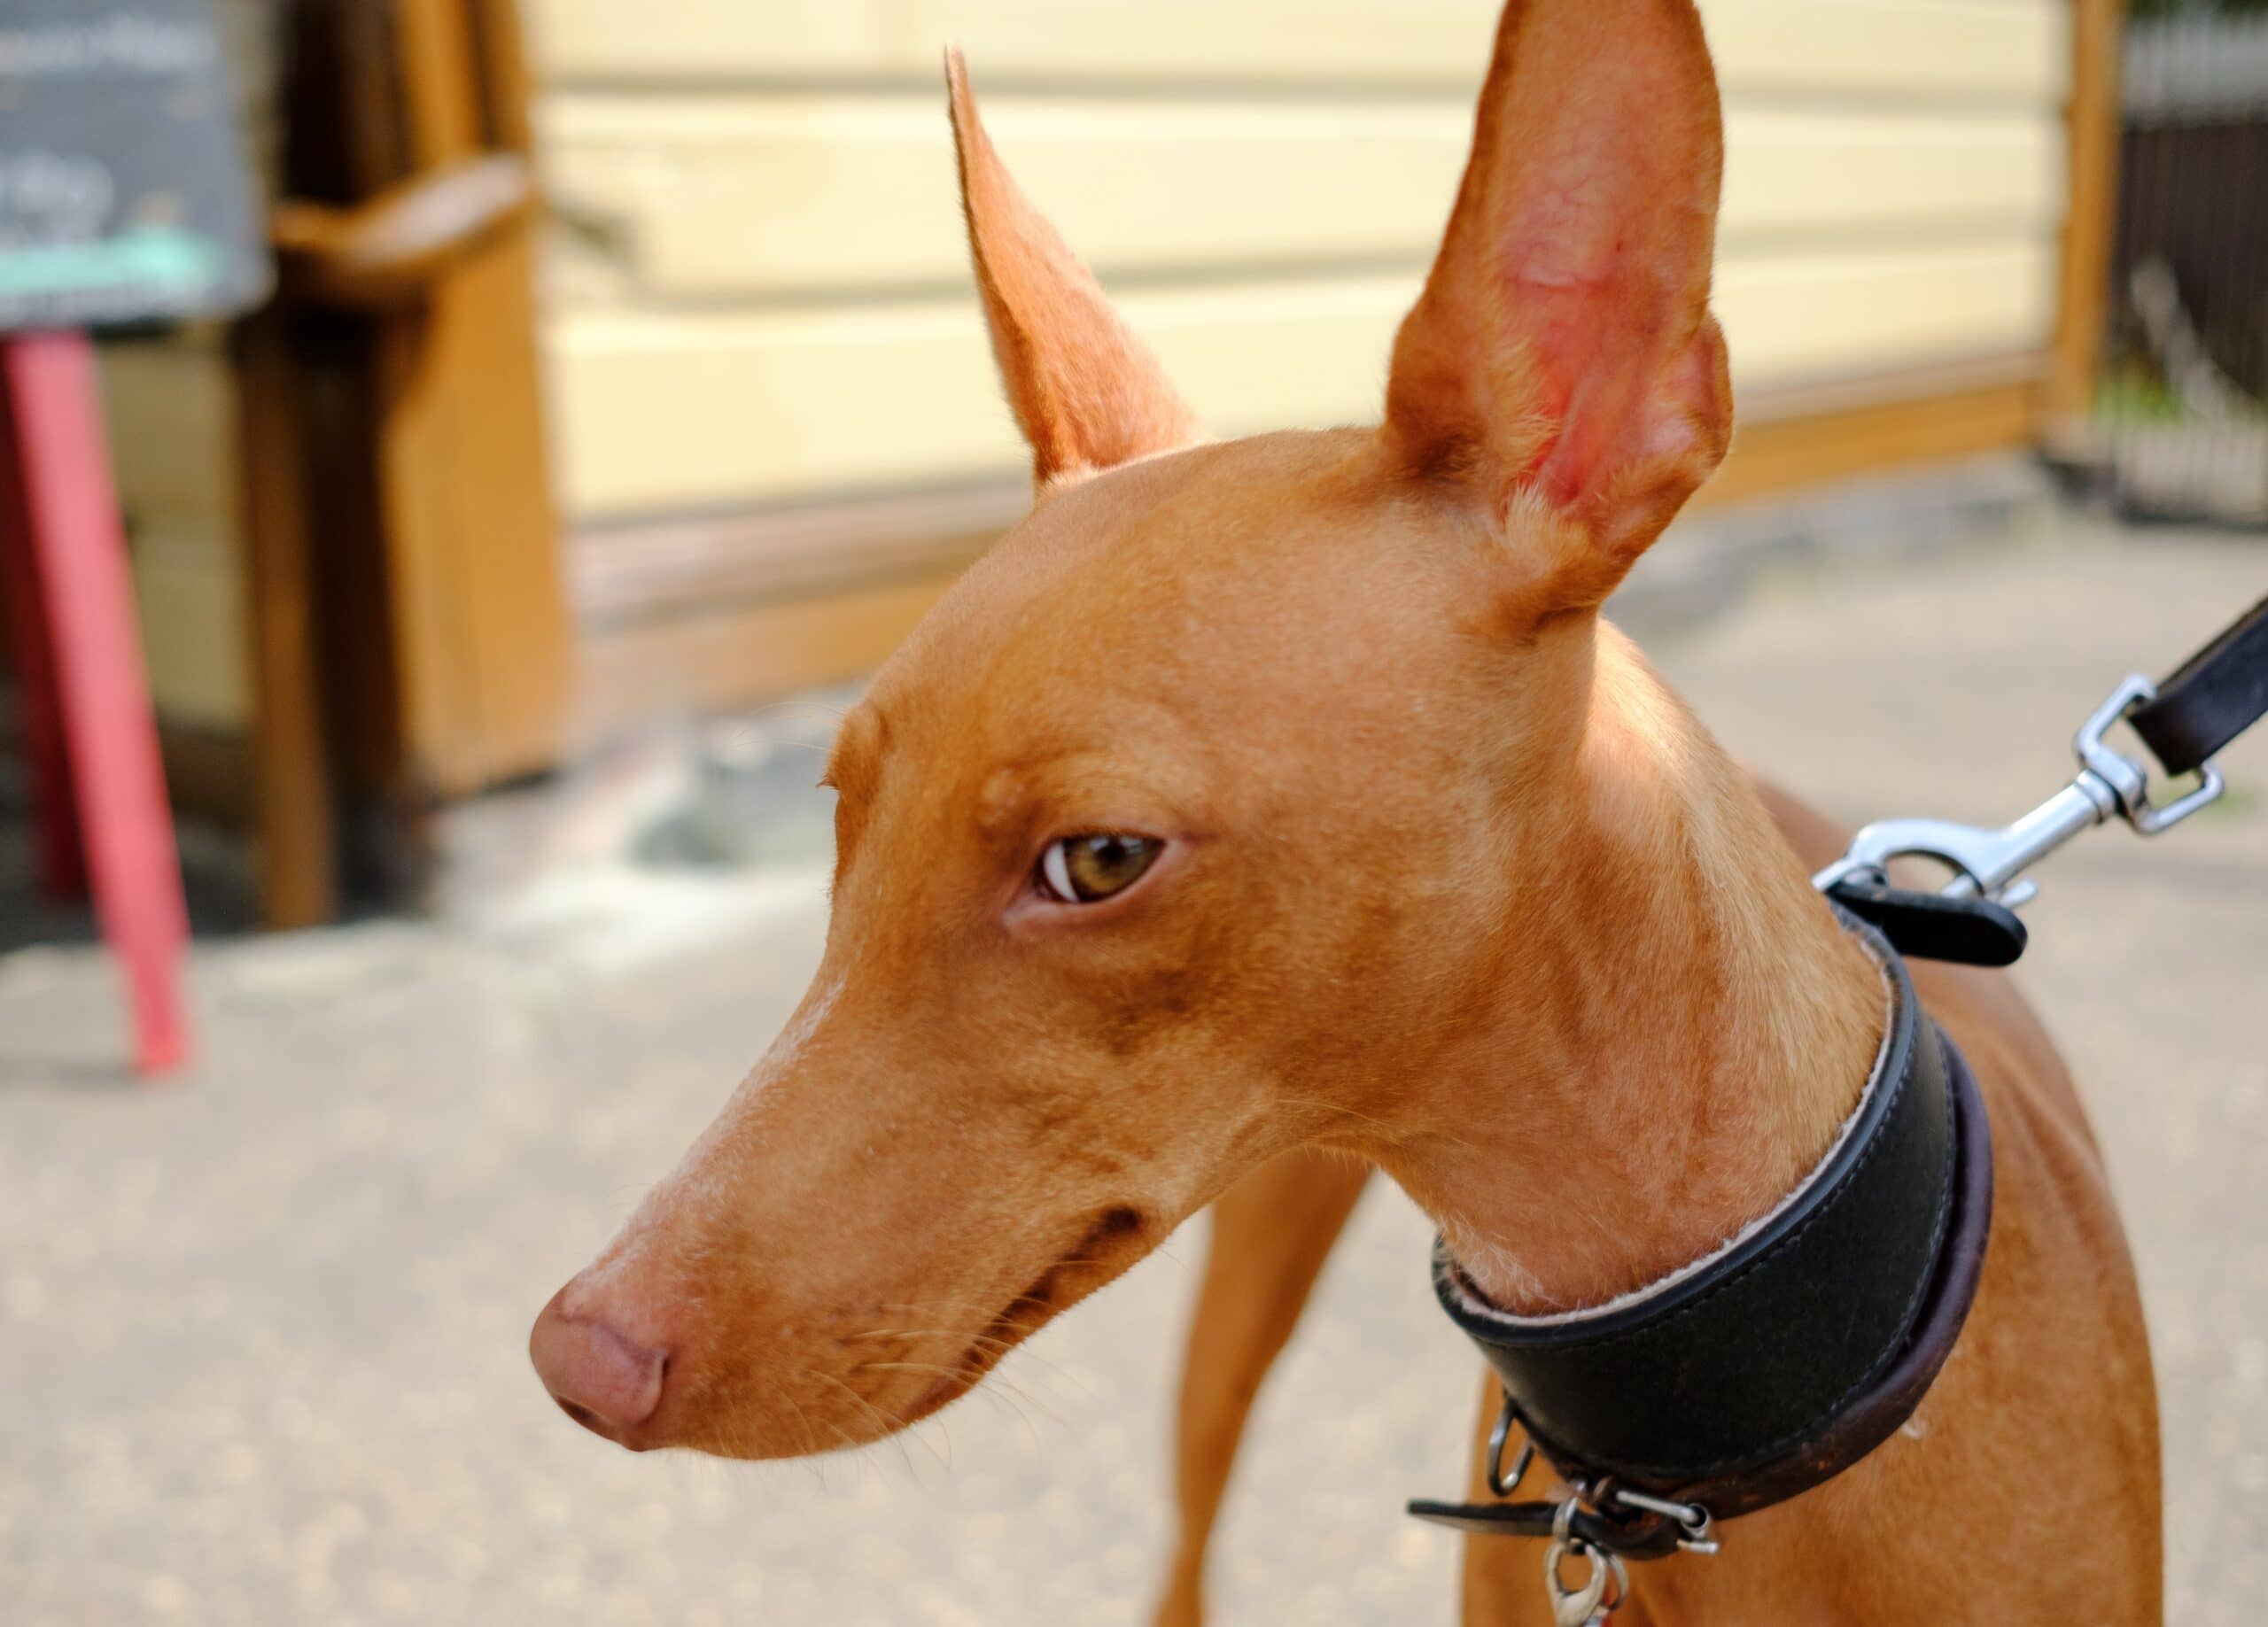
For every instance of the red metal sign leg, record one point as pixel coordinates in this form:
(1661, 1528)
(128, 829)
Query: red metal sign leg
(62, 861)
(76, 552)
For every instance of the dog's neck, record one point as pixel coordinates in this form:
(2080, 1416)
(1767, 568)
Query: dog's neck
(1683, 1029)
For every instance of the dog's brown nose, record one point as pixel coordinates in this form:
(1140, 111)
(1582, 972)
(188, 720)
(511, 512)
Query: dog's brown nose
(604, 1380)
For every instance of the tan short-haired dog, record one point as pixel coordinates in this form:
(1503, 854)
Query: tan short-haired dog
(1288, 796)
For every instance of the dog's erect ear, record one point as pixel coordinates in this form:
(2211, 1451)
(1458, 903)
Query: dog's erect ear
(1562, 349)
(1086, 393)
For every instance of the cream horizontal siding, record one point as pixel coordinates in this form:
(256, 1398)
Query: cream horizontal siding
(761, 292)
(171, 407)
(2011, 48)
(1420, 42)
(188, 587)
(716, 197)
(692, 193)
(715, 408)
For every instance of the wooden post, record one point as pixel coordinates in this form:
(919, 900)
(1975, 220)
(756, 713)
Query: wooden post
(290, 763)
(2092, 122)
(482, 646)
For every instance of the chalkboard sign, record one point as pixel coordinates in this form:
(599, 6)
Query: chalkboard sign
(123, 192)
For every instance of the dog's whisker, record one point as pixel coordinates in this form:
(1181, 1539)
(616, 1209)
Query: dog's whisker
(894, 1428)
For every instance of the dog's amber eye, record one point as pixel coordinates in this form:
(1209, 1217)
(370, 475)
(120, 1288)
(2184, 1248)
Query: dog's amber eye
(1085, 870)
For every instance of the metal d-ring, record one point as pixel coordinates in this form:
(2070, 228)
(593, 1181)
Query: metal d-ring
(1500, 1484)
(2127, 779)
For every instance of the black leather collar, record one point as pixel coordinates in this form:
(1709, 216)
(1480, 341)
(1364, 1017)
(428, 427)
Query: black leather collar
(1787, 1356)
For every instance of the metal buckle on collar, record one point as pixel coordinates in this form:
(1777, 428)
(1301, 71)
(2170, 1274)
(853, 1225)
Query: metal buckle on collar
(1697, 1532)
(1607, 1583)
(1989, 863)
(1700, 1532)
(1591, 1603)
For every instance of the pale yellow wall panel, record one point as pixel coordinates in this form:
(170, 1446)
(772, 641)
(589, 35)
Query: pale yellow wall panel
(1930, 46)
(170, 408)
(716, 196)
(169, 405)
(188, 593)
(1334, 40)
(1920, 49)
(1812, 174)
(721, 197)
(1809, 317)
(659, 411)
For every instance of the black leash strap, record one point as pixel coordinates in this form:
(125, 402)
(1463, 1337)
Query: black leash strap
(2215, 695)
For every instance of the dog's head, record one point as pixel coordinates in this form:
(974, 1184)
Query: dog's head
(1194, 816)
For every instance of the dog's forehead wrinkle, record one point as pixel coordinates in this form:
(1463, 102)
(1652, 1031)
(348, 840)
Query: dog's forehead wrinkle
(1176, 599)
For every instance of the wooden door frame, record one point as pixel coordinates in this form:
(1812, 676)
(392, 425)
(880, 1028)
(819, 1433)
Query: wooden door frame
(481, 641)
(2091, 126)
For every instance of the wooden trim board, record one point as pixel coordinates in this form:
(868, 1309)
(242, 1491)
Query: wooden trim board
(657, 672)
(680, 564)
(1795, 453)
(2092, 135)
(622, 574)
(643, 665)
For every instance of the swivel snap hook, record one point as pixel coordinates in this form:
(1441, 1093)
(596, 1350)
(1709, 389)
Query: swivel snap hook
(1601, 1591)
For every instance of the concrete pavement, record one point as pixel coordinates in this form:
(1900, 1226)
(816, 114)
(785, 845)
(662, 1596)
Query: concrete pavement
(260, 1333)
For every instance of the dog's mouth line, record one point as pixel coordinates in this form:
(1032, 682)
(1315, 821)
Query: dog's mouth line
(1113, 1242)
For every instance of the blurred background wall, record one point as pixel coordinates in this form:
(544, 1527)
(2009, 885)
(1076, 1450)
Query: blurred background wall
(759, 296)
(716, 421)
(2179, 425)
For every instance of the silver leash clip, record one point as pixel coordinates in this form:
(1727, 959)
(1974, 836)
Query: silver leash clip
(1990, 861)
(1591, 1604)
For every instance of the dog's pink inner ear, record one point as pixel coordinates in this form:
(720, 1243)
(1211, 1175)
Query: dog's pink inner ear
(1563, 344)
(1086, 393)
